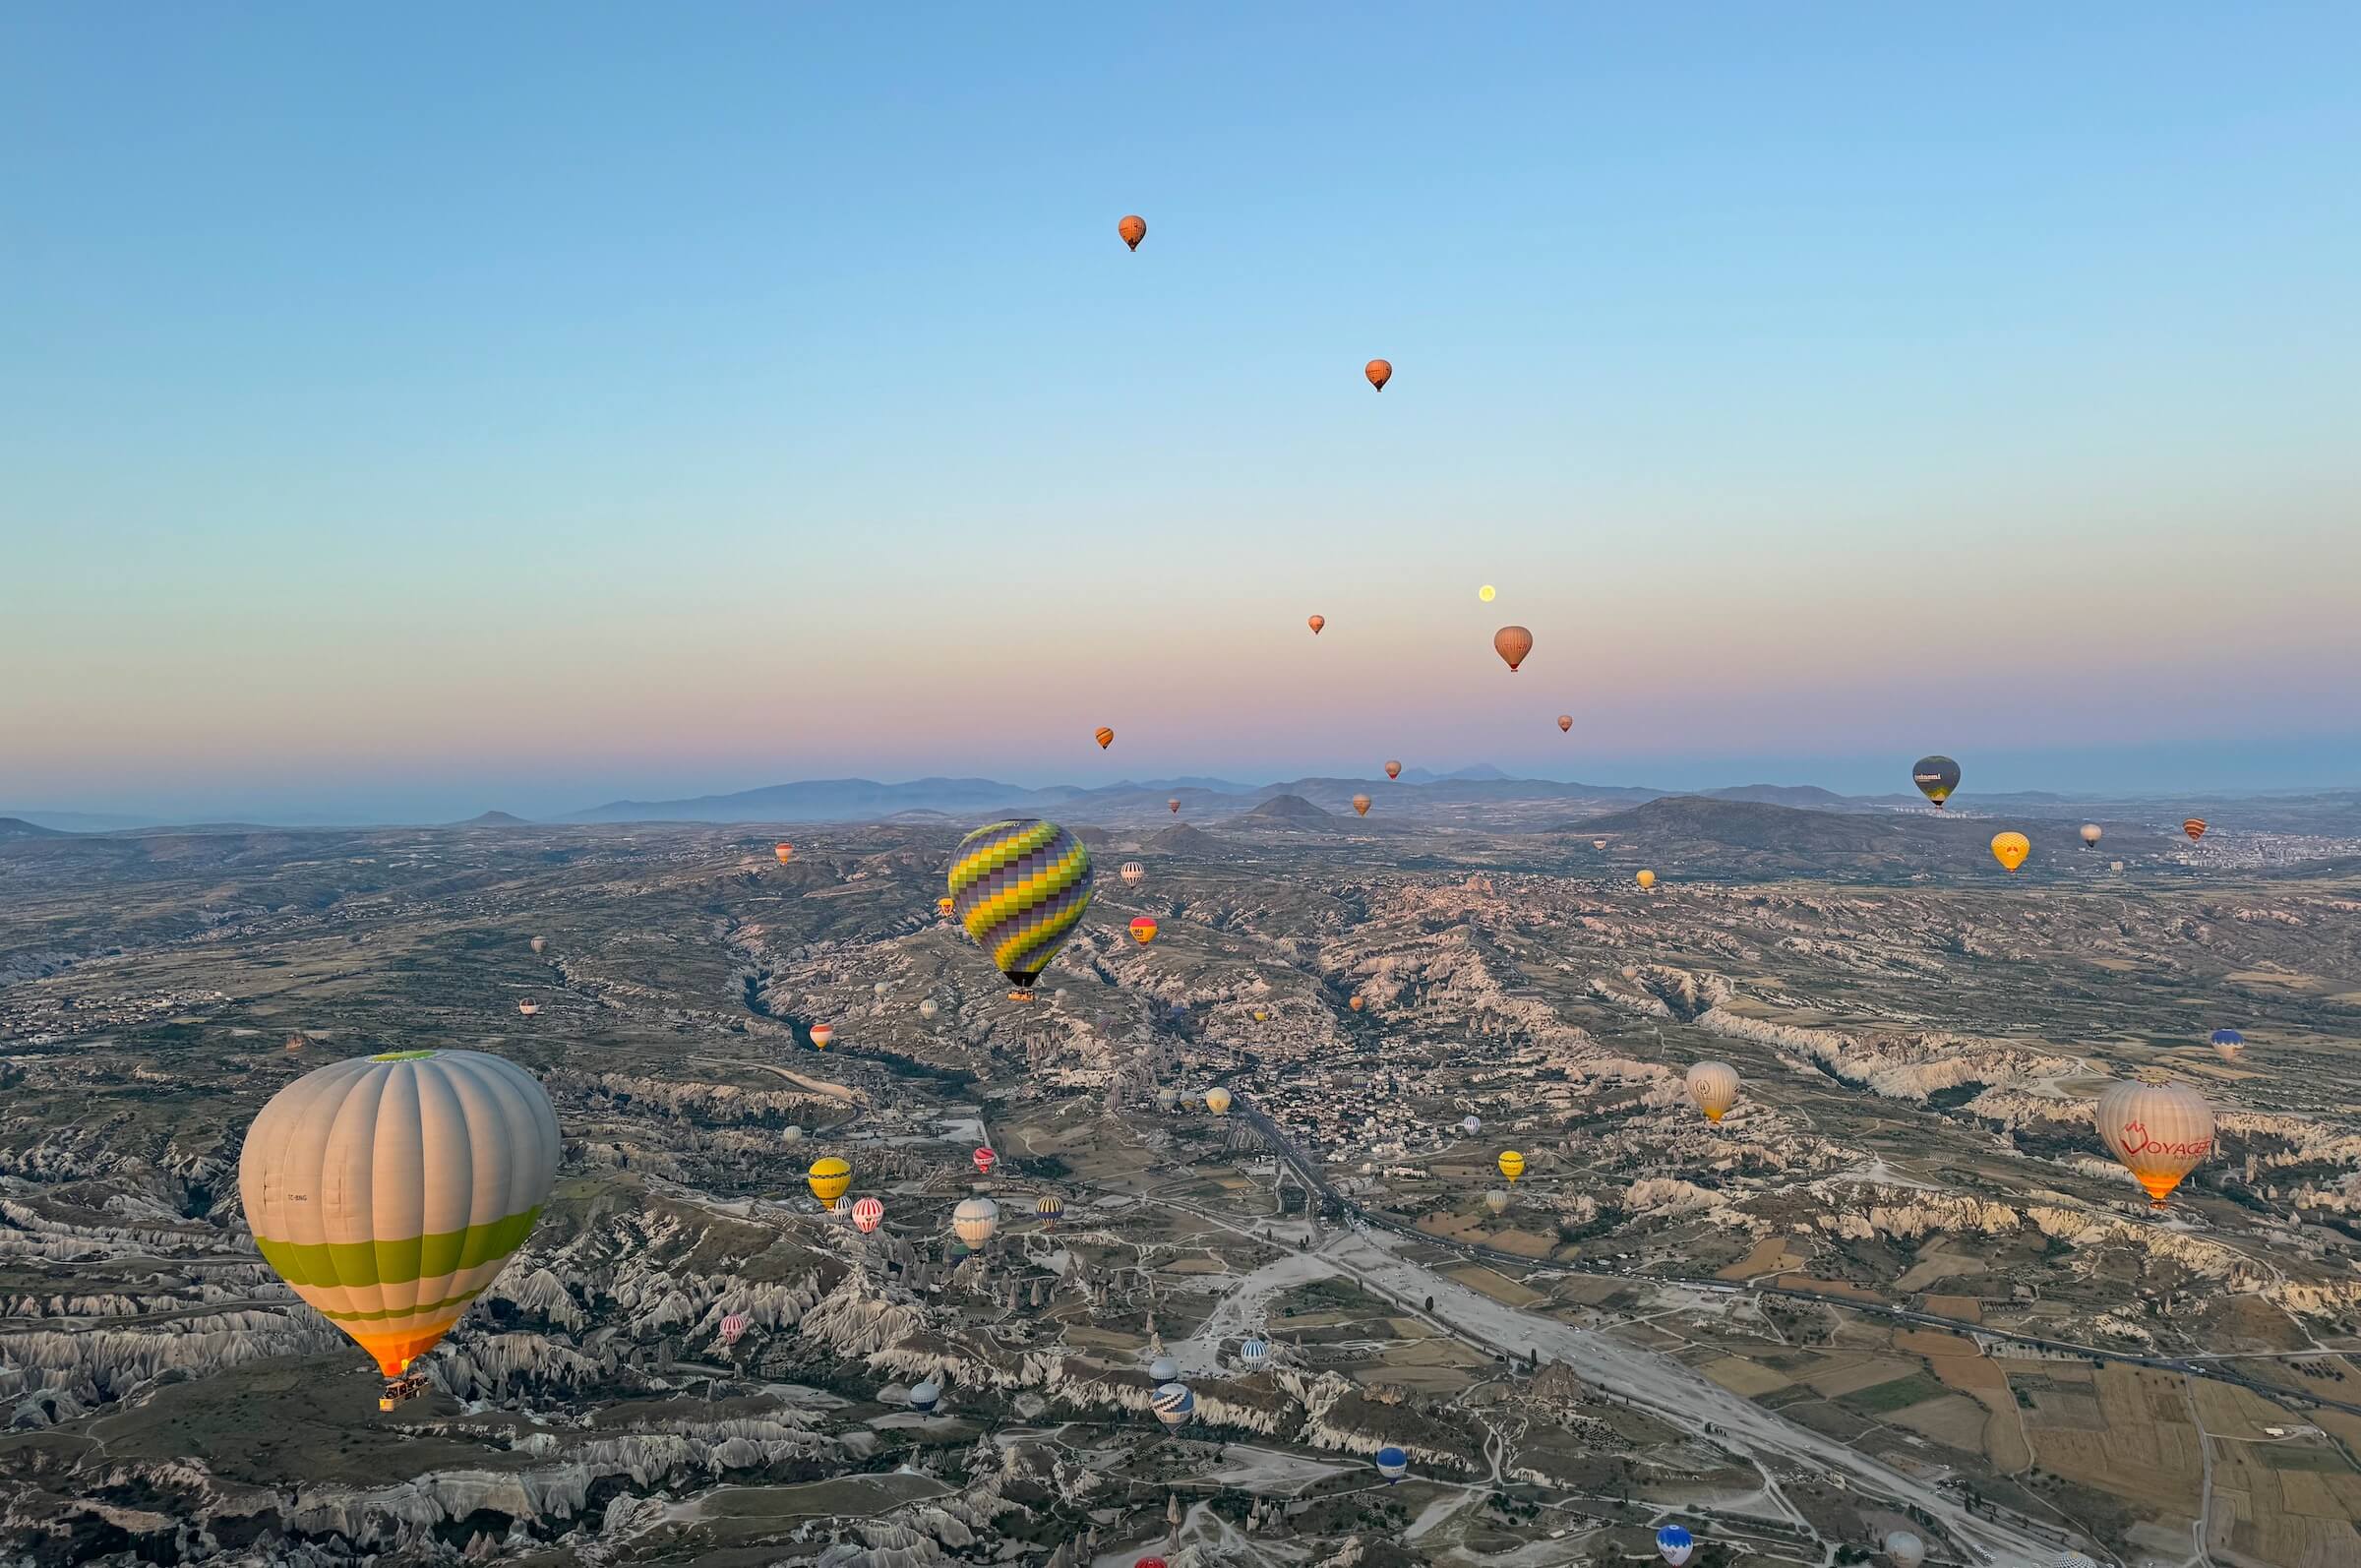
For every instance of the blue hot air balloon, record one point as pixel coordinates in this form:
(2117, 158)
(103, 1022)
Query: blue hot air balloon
(1174, 1404)
(925, 1395)
(2229, 1044)
(1675, 1543)
(1392, 1463)
(1253, 1352)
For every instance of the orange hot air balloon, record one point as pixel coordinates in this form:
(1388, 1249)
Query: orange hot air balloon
(821, 1034)
(1379, 372)
(1646, 880)
(1565, 721)
(1143, 930)
(1360, 804)
(1393, 770)
(1355, 1004)
(785, 853)
(1174, 803)
(1512, 643)
(1134, 228)
(2195, 828)
(1106, 737)
(1315, 623)
(2011, 849)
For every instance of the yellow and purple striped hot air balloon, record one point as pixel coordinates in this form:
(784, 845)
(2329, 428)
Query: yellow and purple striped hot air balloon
(390, 1191)
(1020, 889)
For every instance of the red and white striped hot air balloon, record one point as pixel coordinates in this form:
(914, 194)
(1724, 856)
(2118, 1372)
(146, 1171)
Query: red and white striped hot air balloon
(821, 1034)
(734, 1327)
(985, 1159)
(868, 1215)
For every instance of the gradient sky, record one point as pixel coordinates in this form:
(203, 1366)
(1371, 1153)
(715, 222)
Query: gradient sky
(411, 410)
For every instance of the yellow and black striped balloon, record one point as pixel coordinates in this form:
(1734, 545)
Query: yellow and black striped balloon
(1019, 888)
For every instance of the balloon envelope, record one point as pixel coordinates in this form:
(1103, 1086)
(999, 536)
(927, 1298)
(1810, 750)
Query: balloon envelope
(1020, 889)
(1392, 1463)
(1646, 878)
(1906, 1549)
(2228, 1044)
(1565, 721)
(1393, 769)
(1134, 228)
(1355, 1005)
(974, 1221)
(2159, 1131)
(734, 1327)
(868, 1215)
(2195, 828)
(985, 1159)
(1143, 930)
(821, 1034)
(2011, 849)
(1379, 373)
(925, 1395)
(388, 1191)
(1174, 1404)
(1049, 1206)
(2091, 835)
(1253, 1351)
(1315, 623)
(1175, 805)
(1713, 1086)
(1675, 1543)
(828, 1177)
(1216, 1101)
(1133, 874)
(1106, 737)
(1360, 804)
(1512, 1163)
(785, 852)
(1936, 777)
(1496, 1200)
(1512, 643)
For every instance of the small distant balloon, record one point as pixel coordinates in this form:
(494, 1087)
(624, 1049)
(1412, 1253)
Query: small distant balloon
(1484, 593)
(974, 1221)
(985, 1159)
(1936, 777)
(1392, 1463)
(1360, 804)
(528, 1008)
(1048, 1208)
(841, 1209)
(1216, 1101)
(925, 1396)
(828, 1177)
(1174, 1404)
(821, 1034)
(1260, 1016)
(928, 1008)
(1904, 1549)
(2011, 849)
(2195, 828)
(785, 852)
(1175, 805)
(540, 944)
(1646, 880)
(1106, 737)
(1355, 1005)
(734, 1327)
(1133, 874)
(868, 1215)
(1379, 373)
(1315, 623)
(1253, 1351)
(1713, 1087)
(1143, 930)
(2159, 1131)
(1134, 228)
(2091, 835)
(2228, 1044)
(1496, 1200)
(881, 990)
(1393, 769)
(942, 907)
(1512, 1163)
(1512, 643)
(1566, 722)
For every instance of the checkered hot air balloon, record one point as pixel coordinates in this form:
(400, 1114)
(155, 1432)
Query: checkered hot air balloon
(1019, 888)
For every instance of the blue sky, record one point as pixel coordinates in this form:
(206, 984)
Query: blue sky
(409, 412)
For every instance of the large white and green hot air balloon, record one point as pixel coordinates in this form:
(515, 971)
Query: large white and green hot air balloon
(390, 1191)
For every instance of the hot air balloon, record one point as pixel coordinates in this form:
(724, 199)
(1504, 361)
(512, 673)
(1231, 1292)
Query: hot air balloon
(1936, 777)
(1168, 1099)
(1646, 880)
(528, 1008)
(942, 906)
(841, 1209)
(1133, 874)
(1134, 228)
(1163, 1369)
(1174, 1404)
(828, 1177)
(1216, 1101)
(926, 1394)
(1512, 643)
(1597, 843)
(785, 852)
(1905, 1550)
(1673, 1544)
(1355, 1004)
(985, 1159)
(1512, 1163)
(1261, 1017)
(1496, 1200)
(974, 1221)
(1252, 1351)
(2091, 835)
(295, 1043)
(1393, 769)
(928, 1008)
(540, 944)
(1106, 737)
(1484, 593)
(792, 1135)
(1143, 930)
(1392, 1463)
(388, 1191)
(1048, 1208)
(882, 990)
(2159, 1131)
(1470, 1126)
(2011, 849)
(1020, 887)
(1360, 804)
(2195, 828)
(868, 1215)
(734, 1327)
(1566, 722)
(1149, 1562)
(2072, 1559)
(821, 1034)
(1175, 805)
(1379, 373)
(1315, 623)
(1713, 1087)
(2228, 1044)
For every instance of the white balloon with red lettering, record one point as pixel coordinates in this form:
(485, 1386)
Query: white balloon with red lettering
(2160, 1131)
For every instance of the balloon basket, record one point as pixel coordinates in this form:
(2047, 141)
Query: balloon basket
(402, 1390)
(1020, 996)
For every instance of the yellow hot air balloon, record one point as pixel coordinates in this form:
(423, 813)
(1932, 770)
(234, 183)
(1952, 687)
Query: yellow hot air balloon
(2011, 849)
(388, 1191)
(1360, 804)
(829, 1177)
(942, 907)
(1512, 1163)
(1216, 1101)
(1512, 643)
(2160, 1131)
(1260, 1016)
(1646, 880)
(1484, 593)
(1133, 228)
(1713, 1086)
